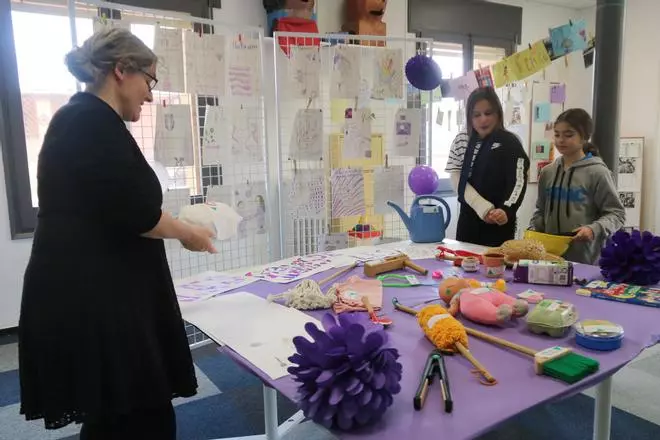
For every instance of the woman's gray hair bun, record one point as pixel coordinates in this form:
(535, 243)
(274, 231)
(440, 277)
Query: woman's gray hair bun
(104, 50)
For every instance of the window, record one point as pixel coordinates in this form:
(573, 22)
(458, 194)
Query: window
(34, 84)
(44, 80)
(449, 57)
(487, 55)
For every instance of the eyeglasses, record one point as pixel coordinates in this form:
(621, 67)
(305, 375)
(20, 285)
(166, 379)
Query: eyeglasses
(152, 80)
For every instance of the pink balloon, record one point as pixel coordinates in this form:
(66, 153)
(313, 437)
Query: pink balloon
(423, 180)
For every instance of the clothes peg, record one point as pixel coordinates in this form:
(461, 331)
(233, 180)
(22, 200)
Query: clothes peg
(435, 366)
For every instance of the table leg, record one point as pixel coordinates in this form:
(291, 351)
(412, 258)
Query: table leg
(603, 410)
(270, 413)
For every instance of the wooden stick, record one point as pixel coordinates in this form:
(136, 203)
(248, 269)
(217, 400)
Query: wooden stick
(337, 274)
(498, 341)
(465, 352)
(401, 307)
(407, 262)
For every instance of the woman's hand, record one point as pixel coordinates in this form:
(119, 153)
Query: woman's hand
(585, 233)
(198, 239)
(497, 216)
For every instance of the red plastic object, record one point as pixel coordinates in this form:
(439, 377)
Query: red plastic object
(295, 24)
(444, 251)
(364, 234)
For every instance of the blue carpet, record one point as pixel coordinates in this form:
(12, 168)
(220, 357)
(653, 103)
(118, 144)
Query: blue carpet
(571, 419)
(238, 410)
(10, 391)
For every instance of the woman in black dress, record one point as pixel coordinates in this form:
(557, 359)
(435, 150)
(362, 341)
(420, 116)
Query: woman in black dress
(101, 338)
(488, 168)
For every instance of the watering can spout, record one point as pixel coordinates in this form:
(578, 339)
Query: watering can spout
(404, 217)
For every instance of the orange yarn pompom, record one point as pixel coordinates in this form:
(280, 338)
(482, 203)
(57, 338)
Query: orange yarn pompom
(442, 329)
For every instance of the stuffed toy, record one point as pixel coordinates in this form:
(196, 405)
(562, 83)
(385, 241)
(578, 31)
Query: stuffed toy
(365, 17)
(216, 216)
(484, 303)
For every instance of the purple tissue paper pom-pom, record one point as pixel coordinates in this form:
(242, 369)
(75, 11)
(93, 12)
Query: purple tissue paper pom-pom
(348, 373)
(632, 258)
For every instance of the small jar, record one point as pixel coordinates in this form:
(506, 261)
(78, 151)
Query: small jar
(470, 264)
(495, 265)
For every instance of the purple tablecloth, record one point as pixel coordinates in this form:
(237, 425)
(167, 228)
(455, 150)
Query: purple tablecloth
(478, 408)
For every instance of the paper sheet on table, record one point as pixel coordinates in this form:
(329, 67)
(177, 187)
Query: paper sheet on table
(208, 284)
(260, 331)
(297, 268)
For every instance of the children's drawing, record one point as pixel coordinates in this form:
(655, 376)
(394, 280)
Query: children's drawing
(568, 38)
(208, 284)
(307, 135)
(504, 72)
(388, 74)
(304, 71)
(333, 242)
(215, 139)
(558, 93)
(407, 131)
(347, 187)
(305, 194)
(357, 133)
(250, 203)
(389, 184)
(173, 144)
(220, 193)
(175, 199)
(541, 150)
(542, 112)
(460, 88)
(484, 77)
(246, 135)
(345, 77)
(168, 47)
(205, 64)
(101, 23)
(244, 68)
(296, 268)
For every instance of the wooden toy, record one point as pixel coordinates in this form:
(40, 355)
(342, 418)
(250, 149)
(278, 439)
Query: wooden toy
(392, 263)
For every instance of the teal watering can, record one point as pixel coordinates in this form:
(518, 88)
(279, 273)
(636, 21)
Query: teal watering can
(426, 223)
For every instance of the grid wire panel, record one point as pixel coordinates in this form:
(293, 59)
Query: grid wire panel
(309, 106)
(226, 161)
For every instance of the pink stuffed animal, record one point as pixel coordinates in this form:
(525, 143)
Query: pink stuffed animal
(486, 305)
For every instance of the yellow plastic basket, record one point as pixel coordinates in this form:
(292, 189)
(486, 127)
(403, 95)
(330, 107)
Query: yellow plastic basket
(554, 244)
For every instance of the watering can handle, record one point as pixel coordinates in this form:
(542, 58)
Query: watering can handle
(439, 199)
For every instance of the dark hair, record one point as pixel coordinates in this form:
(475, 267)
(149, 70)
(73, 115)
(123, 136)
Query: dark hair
(484, 94)
(580, 121)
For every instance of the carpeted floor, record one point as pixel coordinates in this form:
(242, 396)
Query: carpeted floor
(229, 404)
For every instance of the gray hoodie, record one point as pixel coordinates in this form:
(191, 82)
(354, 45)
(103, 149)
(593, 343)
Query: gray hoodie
(582, 195)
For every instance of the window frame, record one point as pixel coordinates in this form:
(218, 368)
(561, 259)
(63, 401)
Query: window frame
(22, 215)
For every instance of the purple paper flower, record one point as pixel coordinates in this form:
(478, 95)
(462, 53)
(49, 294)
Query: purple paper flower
(347, 373)
(631, 258)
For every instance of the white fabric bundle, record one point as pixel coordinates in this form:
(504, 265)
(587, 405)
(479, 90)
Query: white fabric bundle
(218, 217)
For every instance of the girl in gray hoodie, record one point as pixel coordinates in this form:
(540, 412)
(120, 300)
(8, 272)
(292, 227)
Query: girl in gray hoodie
(577, 195)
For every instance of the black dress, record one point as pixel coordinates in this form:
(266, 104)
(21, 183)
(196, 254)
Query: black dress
(499, 174)
(100, 331)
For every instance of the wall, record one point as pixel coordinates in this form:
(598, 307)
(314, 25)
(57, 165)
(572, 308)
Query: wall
(640, 97)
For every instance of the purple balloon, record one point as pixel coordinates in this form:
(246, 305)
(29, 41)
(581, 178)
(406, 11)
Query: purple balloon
(423, 180)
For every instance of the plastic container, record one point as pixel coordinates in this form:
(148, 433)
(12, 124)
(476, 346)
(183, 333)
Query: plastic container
(598, 335)
(552, 317)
